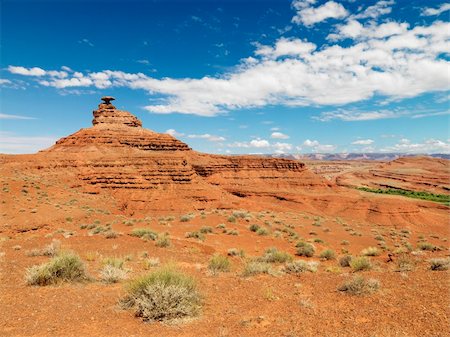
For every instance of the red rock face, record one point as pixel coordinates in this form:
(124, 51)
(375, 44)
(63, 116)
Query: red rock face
(108, 116)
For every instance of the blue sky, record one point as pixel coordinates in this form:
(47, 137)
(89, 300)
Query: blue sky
(274, 76)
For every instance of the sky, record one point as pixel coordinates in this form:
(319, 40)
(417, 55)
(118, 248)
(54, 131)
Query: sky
(231, 77)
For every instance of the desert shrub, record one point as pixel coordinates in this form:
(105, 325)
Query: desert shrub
(231, 219)
(111, 234)
(65, 267)
(233, 232)
(358, 285)
(112, 274)
(305, 249)
(255, 267)
(186, 218)
(299, 266)
(254, 228)
(404, 264)
(273, 255)
(144, 233)
(219, 263)
(345, 260)
(206, 229)
(262, 231)
(195, 235)
(317, 240)
(51, 249)
(370, 251)
(439, 264)
(163, 241)
(360, 263)
(328, 254)
(221, 226)
(426, 246)
(163, 295)
(116, 262)
(345, 243)
(240, 214)
(150, 262)
(236, 252)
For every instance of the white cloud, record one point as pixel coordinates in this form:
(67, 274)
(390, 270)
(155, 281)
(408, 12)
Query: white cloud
(309, 16)
(282, 147)
(263, 144)
(355, 30)
(87, 42)
(363, 142)
(207, 136)
(380, 8)
(436, 11)
(259, 143)
(279, 135)
(315, 146)
(174, 133)
(428, 146)
(26, 71)
(286, 47)
(406, 64)
(4, 81)
(6, 116)
(353, 116)
(11, 143)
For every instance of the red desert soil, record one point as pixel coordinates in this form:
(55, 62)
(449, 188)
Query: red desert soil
(120, 176)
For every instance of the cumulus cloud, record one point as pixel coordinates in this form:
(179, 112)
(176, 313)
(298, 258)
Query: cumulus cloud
(380, 8)
(390, 60)
(35, 71)
(316, 146)
(363, 142)
(174, 133)
(436, 11)
(428, 146)
(208, 137)
(279, 135)
(263, 144)
(308, 15)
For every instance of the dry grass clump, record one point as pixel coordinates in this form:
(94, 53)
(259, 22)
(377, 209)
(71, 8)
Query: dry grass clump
(219, 263)
(112, 274)
(345, 260)
(328, 254)
(273, 255)
(195, 235)
(255, 267)
(65, 267)
(358, 285)
(404, 264)
(370, 251)
(144, 233)
(439, 264)
(299, 266)
(163, 295)
(360, 263)
(305, 249)
(236, 252)
(51, 249)
(426, 246)
(206, 230)
(163, 241)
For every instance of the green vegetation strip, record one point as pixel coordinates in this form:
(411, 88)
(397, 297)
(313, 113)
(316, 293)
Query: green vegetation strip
(442, 198)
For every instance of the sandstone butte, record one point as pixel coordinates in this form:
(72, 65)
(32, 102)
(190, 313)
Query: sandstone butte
(140, 171)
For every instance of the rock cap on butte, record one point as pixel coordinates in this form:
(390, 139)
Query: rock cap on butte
(108, 116)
